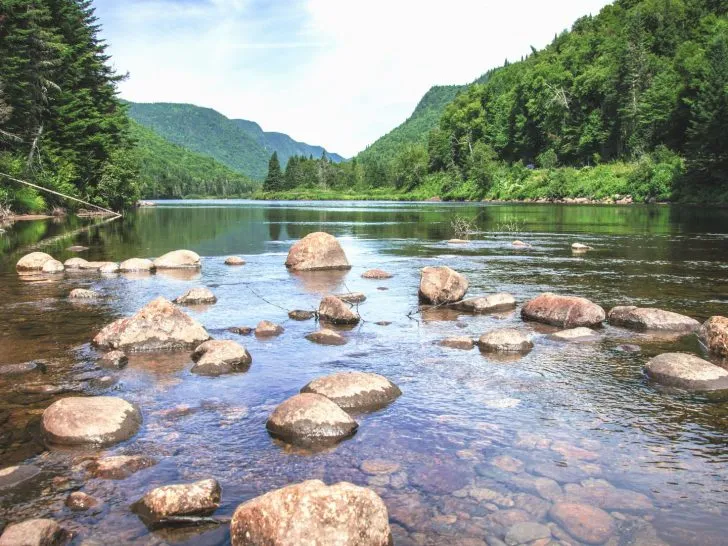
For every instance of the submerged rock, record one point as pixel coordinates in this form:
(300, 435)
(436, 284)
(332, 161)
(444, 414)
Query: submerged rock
(310, 419)
(352, 297)
(505, 340)
(457, 242)
(119, 467)
(650, 318)
(526, 532)
(82, 294)
(217, 357)
(241, 330)
(298, 314)
(335, 311)
(109, 267)
(53, 266)
(90, 420)
(267, 328)
(583, 522)
(32, 262)
(77, 248)
(687, 372)
(464, 343)
(487, 304)
(75, 263)
(178, 259)
(580, 247)
(136, 264)
(35, 532)
(317, 251)
(158, 326)
(79, 501)
(378, 274)
(165, 503)
(234, 260)
(440, 285)
(113, 359)
(23, 367)
(714, 334)
(520, 244)
(575, 334)
(355, 391)
(564, 311)
(326, 337)
(12, 476)
(197, 296)
(312, 513)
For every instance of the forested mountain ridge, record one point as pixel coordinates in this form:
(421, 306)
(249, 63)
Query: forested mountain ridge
(239, 144)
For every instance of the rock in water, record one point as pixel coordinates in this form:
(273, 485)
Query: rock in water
(35, 532)
(113, 359)
(311, 513)
(317, 251)
(505, 340)
(75, 263)
(440, 285)
(234, 260)
(15, 475)
(649, 318)
(335, 311)
(326, 337)
(463, 343)
(564, 311)
(526, 532)
(158, 326)
(487, 304)
(520, 244)
(355, 391)
(82, 294)
(32, 262)
(136, 264)
(196, 296)
(583, 522)
(178, 259)
(299, 314)
(217, 357)
(580, 247)
(575, 334)
(267, 328)
(109, 267)
(714, 334)
(378, 274)
(310, 420)
(687, 372)
(352, 297)
(119, 467)
(53, 266)
(164, 503)
(90, 420)
(79, 501)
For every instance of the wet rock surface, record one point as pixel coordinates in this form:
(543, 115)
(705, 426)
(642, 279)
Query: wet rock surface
(441, 285)
(114, 360)
(83, 294)
(164, 504)
(178, 259)
(53, 266)
(267, 328)
(299, 314)
(312, 513)
(714, 334)
(505, 340)
(79, 501)
(355, 391)
(378, 274)
(463, 343)
(35, 532)
(564, 311)
(197, 296)
(487, 304)
(118, 467)
(234, 260)
(32, 262)
(317, 251)
(13, 476)
(576, 335)
(650, 318)
(335, 311)
(75, 263)
(218, 357)
(310, 419)
(136, 264)
(686, 371)
(352, 297)
(158, 326)
(583, 522)
(326, 337)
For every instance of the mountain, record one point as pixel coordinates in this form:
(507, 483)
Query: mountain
(167, 170)
(239, 144)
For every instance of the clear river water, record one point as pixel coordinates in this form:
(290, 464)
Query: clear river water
(482, 443)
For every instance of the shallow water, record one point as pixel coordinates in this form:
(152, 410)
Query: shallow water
(572, 413)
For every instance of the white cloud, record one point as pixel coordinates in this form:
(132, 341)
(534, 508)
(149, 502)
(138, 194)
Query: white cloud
(329, 72)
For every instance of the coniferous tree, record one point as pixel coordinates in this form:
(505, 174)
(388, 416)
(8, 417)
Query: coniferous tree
(274, 180)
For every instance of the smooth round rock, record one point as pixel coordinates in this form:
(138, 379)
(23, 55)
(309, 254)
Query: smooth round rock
(315, 252)
(441, 285)
(335, 311)
(650, 318)
(311, 513)
(714, 334)
(75, 263)
(234, 260)
(197, 296)
(310, 419)
(35, 532)
(32, 262)
(687, 372)
(563, 311)
(83, 294)
(53, 266)
(178, 259)
(575, 334)
(199, 498)
(378, 274)
(267, 328)
(505, 340)
(109, 268)
(326, 337)
(135, 265)
(217, 357)
(586, 523)
(79, 501)
(487, 304)
(90, 420)
(526, 532)
(355, 391)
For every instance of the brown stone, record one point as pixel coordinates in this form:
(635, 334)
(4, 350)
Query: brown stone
(650, 318)
(164, 503)
(326, 337)
(463, 343)
(505, 340)
(352, 297)
(714, 334)
(218, 356)
(197, 296)
(310, 419)
(355, 391)
(82, 294)
(234, 260)
(113, 359)
(136, 264)
(53, 266)
(267, 328)
(35, 532)
(79, 501)
(376, 467)
(13, 476)
(74, 263)
(317, 251)
(313, 514)
(441, 285)
(563, 311)
(576, 335)
(487, 304)
(583, 522)
(335, 311)
(32, 262)
(686, 371)
(178, 259)
(378, 274)
(119, 467)
(299, 314)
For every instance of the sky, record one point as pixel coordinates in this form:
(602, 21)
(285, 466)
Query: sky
(335, 73)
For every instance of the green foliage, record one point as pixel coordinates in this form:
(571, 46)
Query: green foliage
(409, 167)
(274, 179)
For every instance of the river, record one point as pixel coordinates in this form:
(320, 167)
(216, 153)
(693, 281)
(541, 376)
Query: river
(481, 443)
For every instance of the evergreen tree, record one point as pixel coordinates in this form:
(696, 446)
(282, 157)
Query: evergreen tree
(274, 180)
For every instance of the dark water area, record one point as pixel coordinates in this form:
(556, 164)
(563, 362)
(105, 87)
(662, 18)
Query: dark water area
(481, 443)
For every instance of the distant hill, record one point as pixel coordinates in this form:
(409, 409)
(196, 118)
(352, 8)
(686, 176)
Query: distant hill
(241, 145)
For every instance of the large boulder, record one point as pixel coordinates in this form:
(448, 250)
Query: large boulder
(158, 326)
(687, 372)
(440, 285)
(35, 532)
(136, 265)
(32, 262)
(335, 311)
(714, 334)
(326, 337)
(586, 523)
(505, 340)
(217, 357)
(487, 304)
(164, 504)
(564, 311)
(197, 296)
(310, 514)
(310, 419)
(355, 391)
(317, 251)
(90, 420)
(650, 318)
(178, 259)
